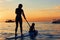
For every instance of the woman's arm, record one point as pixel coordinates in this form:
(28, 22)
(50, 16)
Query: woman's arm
(23, 14)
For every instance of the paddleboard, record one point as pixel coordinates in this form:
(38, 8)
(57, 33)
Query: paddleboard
(31, 34)
(39, 36)
(18, 36)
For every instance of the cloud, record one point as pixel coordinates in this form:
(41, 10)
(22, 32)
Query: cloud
(2, 1)
(56, 7)
(6, 0)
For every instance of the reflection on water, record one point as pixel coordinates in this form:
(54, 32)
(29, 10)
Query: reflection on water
(7, 29)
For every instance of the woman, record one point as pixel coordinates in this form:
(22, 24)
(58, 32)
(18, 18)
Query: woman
(19, 12)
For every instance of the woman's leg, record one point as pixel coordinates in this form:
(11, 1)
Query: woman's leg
(21, 26)
(16, 28)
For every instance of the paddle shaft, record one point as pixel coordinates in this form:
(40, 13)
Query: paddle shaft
(27, 22)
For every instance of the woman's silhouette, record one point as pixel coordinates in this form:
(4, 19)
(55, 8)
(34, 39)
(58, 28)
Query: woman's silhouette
(19, 12)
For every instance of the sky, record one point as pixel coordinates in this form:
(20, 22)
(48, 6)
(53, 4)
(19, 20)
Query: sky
(35, 10)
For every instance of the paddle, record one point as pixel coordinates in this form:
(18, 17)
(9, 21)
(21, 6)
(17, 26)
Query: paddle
(27, 22)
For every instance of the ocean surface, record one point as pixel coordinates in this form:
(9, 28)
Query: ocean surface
(43, 28)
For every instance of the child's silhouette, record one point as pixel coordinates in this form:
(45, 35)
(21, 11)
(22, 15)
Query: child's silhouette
(32, 32)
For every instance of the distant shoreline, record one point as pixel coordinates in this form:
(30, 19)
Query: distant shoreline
(9, 21)
(56, 22)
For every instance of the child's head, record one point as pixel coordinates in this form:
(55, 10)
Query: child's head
(32, 27)
(33, 24)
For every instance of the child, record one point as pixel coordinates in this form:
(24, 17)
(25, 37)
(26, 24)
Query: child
(32, 32)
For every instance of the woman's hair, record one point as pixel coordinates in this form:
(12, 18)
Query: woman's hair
(20, 5)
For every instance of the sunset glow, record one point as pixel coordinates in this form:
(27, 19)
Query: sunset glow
(35, 10)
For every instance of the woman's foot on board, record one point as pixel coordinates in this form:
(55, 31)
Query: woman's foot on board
(15, 36)
(22, 35)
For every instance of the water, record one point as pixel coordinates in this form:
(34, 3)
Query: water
(8, 29)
